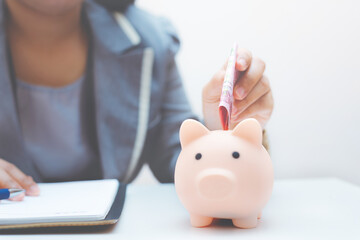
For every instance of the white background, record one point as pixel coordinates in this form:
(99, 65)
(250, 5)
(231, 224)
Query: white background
(311, 50)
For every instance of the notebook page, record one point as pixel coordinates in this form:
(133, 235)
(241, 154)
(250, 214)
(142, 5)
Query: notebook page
(68, 201)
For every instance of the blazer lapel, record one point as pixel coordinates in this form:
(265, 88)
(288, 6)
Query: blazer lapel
(116, 89)
(122, 76)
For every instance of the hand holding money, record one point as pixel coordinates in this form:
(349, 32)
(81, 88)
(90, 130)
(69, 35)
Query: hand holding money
(251, 93)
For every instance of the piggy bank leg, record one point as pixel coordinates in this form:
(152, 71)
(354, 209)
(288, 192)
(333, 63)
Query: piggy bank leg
(249, 222)
(200, 221)
(259, 215)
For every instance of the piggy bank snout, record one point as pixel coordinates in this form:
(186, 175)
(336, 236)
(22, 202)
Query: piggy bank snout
(215, 183)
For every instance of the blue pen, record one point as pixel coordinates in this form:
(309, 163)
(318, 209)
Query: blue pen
(10, 193)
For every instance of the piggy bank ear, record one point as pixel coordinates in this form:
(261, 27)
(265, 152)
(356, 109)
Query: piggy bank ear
(250, 130)
(191, 130)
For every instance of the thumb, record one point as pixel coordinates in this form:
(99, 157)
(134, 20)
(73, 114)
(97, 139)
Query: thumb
(212, 90)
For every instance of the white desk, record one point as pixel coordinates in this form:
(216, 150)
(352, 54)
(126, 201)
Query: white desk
(298, 209)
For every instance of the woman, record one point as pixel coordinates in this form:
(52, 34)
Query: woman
(91, 90)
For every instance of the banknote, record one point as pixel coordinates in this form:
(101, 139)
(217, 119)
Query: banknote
(226, 100)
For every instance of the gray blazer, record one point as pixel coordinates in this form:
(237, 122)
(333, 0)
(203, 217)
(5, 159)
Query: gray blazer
(139, 100)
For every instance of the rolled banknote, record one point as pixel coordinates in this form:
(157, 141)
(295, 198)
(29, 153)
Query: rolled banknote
(226, 100)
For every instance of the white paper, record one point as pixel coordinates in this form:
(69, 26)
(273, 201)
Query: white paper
(68, 201)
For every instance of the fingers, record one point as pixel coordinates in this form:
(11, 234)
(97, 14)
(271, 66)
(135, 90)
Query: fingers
(12, 177)
(250, 90)
(261, 110)
(261, 88)
(249, 79)
(6, 181)
(243, 60)
(26, 182)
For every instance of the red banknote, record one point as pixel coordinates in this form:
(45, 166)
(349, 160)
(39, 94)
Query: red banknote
(226, 100)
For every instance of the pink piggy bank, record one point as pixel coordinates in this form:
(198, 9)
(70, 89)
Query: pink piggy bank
(223, 174)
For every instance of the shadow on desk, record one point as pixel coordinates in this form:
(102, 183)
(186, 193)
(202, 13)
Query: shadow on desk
(217, 223)
(60, 230)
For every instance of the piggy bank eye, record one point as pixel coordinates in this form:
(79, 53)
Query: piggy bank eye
(198, 156)
(236, 155)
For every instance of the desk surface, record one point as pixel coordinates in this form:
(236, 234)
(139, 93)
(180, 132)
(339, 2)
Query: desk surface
(298, 209)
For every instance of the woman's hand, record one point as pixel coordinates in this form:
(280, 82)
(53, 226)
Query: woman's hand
(12, 177)
(252, 93)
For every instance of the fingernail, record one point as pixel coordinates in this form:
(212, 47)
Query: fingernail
(18, 197)
(241, 93)
(242, 62)
(33, 190)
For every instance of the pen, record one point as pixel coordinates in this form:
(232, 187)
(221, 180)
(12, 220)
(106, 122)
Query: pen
(10, 193)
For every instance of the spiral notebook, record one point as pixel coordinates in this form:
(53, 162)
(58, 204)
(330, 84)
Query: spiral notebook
(96, 202)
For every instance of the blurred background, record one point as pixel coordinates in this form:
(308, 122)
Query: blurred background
(312, 54)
